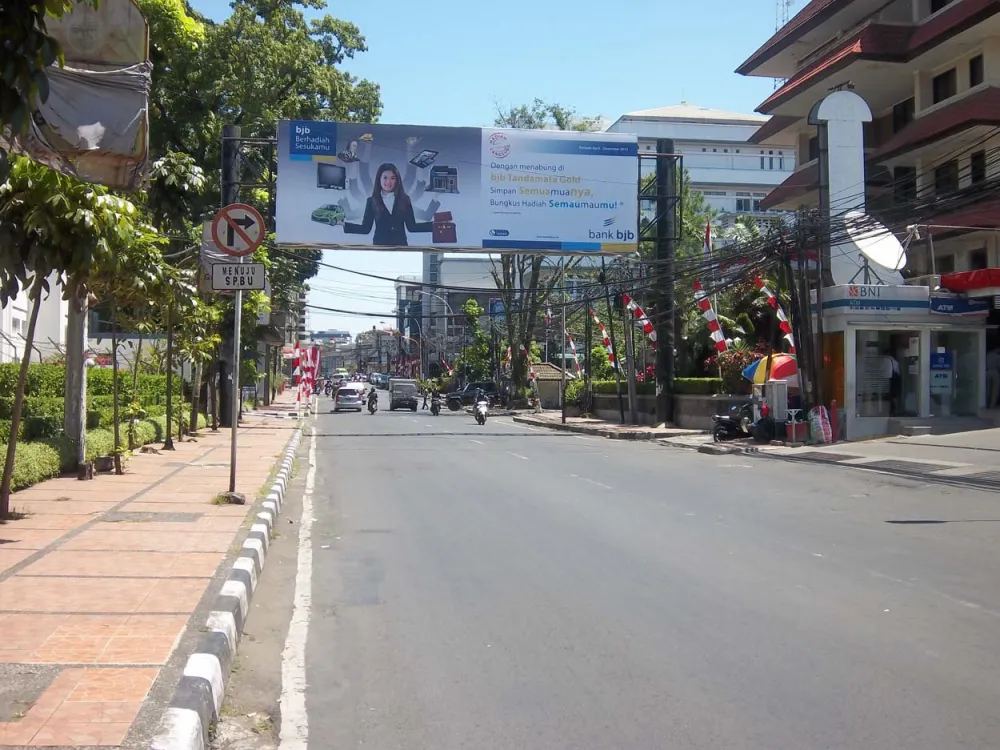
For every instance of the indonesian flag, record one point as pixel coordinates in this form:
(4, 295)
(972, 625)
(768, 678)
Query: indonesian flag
(783, 324)
(707, 248)
(572, 348)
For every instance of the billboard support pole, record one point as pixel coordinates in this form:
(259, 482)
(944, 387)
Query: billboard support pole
(614, 344)
(666, 227)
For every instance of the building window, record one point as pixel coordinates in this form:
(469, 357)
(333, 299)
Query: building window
(946, 177)
(904, 184)
(944, 264)
(937, 5)
(744, 202)
(977, 167)
(976, 75)
(762, 160)
(781, 160)
(944, 86)
(902, 114)
(716, 193)
(978, 260)
(813, 148)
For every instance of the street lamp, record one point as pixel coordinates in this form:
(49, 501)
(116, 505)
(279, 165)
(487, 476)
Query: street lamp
(451, 313)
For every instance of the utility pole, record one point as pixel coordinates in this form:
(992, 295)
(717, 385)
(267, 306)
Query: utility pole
(587, 344)
(666, 205)
(562, 378)
(229, 377)
(614, 345)
(633, 405)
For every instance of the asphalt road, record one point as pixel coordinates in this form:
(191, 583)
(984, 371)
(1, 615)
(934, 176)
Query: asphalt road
(508, 588)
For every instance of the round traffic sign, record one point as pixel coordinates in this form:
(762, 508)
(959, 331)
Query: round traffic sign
(238, 229)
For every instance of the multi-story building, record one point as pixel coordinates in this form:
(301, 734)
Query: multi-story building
(731, 172)
(50, 328)
(929, 71)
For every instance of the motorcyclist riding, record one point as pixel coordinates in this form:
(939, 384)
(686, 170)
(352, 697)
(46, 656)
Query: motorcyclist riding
(372, 397)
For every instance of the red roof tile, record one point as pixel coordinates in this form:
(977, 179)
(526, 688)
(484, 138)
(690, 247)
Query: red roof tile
(798, 183)
(982, 108)
(811, 16)
(876, 41)
(954, 19)
(772, 127)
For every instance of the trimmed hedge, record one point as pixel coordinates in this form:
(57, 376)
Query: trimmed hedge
(33, 463)
(697, 386)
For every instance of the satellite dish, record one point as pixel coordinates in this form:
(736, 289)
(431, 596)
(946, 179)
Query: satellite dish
(868, 254)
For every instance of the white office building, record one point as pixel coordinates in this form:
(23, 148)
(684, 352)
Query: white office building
(723, 163)
(50, 329)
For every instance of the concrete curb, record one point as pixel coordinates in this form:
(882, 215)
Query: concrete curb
(198, 698)
(713, 449)
(598, 431)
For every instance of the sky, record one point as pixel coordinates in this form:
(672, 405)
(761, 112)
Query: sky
(451, 62)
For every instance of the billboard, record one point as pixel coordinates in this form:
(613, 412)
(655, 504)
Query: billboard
(391, 187)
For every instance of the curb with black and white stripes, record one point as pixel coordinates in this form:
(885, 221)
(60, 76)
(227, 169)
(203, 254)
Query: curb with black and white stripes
(202, 686)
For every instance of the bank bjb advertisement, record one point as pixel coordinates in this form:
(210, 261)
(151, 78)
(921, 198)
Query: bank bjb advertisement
(363, 186)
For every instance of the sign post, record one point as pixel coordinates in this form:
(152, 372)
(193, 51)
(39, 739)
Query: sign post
(237, 230)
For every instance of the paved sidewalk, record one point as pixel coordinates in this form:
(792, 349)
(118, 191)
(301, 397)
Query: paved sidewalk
(99, 580)
(587, 426)
(968, 458)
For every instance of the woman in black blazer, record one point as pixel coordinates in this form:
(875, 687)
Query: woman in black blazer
(389, 210)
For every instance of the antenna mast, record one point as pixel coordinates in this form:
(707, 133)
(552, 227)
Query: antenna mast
(782, 12)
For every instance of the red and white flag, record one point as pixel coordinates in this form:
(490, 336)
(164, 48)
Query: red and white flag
(605, 339)
(640, 315)
(705, 305)
(783, 323)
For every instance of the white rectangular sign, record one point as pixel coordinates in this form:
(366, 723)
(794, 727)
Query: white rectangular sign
(233, 276)
(391, 187)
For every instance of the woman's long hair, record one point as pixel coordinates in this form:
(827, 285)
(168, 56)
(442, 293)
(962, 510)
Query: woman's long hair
(401, 197)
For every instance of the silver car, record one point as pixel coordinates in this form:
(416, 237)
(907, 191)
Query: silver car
(349, 396)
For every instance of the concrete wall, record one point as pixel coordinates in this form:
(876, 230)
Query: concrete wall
(690, 412)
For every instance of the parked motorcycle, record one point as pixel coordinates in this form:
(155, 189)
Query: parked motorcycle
(481, 409)
(733, 426)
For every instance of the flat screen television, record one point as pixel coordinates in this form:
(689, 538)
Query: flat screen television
(331, 177)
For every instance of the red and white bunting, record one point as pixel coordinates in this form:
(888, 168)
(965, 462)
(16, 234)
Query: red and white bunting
(605, 339)
(297, 373)
(572, 348)
(705, 305)
(783, 323)
(548, 316)
(640, 315)
(445, 365)
(531, 370)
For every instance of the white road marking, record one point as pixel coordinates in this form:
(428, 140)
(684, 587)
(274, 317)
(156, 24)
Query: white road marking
(591, 481)
(294, 719)
(518, 455)
(477, 442)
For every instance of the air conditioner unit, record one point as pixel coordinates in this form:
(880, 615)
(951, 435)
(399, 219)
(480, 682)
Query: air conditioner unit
(931, 280)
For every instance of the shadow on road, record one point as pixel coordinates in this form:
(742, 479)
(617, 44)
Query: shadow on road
(450, 433)
(917, 521)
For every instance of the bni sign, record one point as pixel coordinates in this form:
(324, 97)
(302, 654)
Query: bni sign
(234, 276)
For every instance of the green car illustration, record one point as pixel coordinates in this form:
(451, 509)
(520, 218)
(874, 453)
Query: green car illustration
(330, 214)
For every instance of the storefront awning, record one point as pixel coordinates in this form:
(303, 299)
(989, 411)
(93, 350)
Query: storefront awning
(983, 282)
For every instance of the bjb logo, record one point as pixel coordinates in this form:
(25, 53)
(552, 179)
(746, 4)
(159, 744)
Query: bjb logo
(618, 235)
(302, 130)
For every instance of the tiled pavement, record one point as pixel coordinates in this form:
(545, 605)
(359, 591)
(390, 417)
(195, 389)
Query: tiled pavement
(101, 578)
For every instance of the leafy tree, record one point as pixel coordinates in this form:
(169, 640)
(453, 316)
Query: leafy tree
(475, 360)
(52, 224)
(519, 278)
(540, 115)
(176, 184)
(131, 276)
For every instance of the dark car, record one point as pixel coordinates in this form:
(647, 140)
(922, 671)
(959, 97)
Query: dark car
(467, 395)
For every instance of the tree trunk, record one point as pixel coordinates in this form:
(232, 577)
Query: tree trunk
(15, 416)
(195, 398)
(168, 443)
(135, 387)
(115, 390)
(180, 410)
(75, 423)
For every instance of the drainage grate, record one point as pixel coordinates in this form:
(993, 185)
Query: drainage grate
(124, 516)
(908, 467)
(830, 458)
